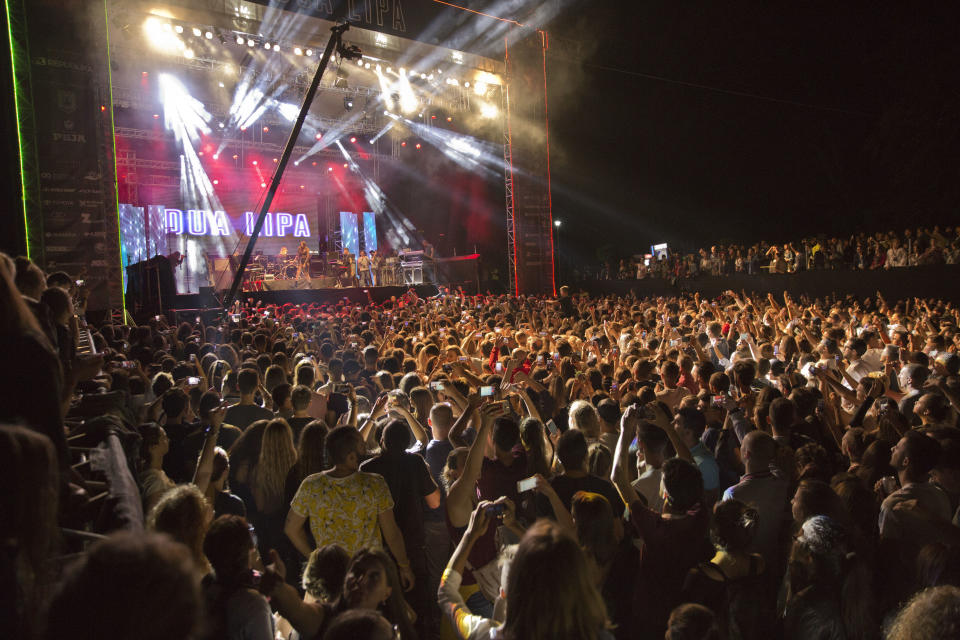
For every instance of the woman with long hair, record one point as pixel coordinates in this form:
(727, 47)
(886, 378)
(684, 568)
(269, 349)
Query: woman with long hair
(829, 588)
(310, 456)
(153, 481)
(268, 482)
(550, 591)
(184, 515)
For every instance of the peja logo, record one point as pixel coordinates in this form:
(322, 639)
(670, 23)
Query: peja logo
(202, 222)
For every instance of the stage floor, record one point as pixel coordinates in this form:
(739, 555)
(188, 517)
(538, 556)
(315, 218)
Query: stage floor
(194, 303)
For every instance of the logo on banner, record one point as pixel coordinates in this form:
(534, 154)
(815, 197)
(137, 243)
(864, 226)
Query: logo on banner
(203, 222)
(66, 101)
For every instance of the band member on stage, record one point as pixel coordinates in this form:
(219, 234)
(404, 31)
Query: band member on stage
(303, 260)
(349, 274)
(363, 269)
(283, 253)
(376, 264)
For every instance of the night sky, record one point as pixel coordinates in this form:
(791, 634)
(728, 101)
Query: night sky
(858, 126)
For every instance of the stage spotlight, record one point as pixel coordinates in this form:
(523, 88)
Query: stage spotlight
(216, 182)
(381, 40)
(156, 116)
(449, 119)
(235, 156)
(389, 69)
(263, 184)
(266, 45)
(275, 160)
(216, 156)
(196, 32)
(366, 65)
(557, 223)
(178, 29)
(266, 129)
(353, 139)
(418, 146)
(222, 125)
(297, 51)
(423, 76)
(371, 142)
(329, 168)
(344, 165)
(378, 69)
(309, 52)
(221, 85)
(208, 35)
(319, 136)
(314, 164)
(276, 47)
(254, 163)
(403, 144)
(489, 111)
(240, 40)
(386, 112)
(348, 103)
(430, 77)
(302, 187)
(250, 42)
(188, 54)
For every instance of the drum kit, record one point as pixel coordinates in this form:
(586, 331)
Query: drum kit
(265, 268)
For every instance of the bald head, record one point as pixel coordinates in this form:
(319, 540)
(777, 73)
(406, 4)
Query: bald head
(758, 450)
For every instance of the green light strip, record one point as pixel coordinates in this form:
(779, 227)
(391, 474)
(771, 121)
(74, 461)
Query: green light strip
(16, 107)
(113, 140)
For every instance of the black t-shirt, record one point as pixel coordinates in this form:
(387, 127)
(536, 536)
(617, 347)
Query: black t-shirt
(243, 415)
(566, 487)
(297, 425)
(409, 480)
(566, 306)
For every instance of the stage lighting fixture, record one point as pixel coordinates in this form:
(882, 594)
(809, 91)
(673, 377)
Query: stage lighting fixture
(297, 51)
(216, 156)
(418, 146)
(266, 45)
(381, 40)
(329, 168)
(353, 139)
(488, 111)
(403, 144)
(449, 119)
(266, 129)
(276, 47)
(430, 77)
(275, 160)
(167, 26)
(196, 32)
(389, 69)
(466, 85)
(378, 69)
(208, 35)
(386, 112)
(156, 116)
(178, 29)
(557, 223)
(254, 163)
(302, 186)
(235, 156)
(366, 65)
(314, 164)
(188, 54)
(216, 182)
(319, 136)
(371, 142)
(250, 43)
(222, 125)
(423, 76)
(360, 62)
(263, 184)
(344, 165)
(348, 103)
(457, 57)
(240, 40)
(309, 52)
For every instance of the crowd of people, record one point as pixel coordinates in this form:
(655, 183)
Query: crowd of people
(924, 246)
(482, 467)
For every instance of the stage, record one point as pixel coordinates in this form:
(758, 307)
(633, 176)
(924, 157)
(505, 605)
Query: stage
(191, 305)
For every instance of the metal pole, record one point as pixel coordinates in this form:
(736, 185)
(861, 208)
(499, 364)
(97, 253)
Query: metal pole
(333, 43)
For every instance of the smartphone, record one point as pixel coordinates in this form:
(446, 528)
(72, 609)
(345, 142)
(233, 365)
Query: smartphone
(79, 283)
(613, 386)
(420, 333)
(353, 345)
(499, 367)
(486, 392)
(718, 401)
(540, 359)
(436, 385)
(447, 368)
(193, 381)
(235, 317)
(128, 364)
(406, 323)
(527, 484)
(294, 335)
(266, 313)
(193, 357)
(157, 318)
(543, 334)
(478, 335)
(463, 359)
(552, 427)
(496, 510)
(555, 355)
(496, 329)
(198, 318)
(776, 350)
(342, 388)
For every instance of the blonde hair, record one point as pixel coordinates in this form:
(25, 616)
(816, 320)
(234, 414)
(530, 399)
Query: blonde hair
(277, 457)
(550, 573)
